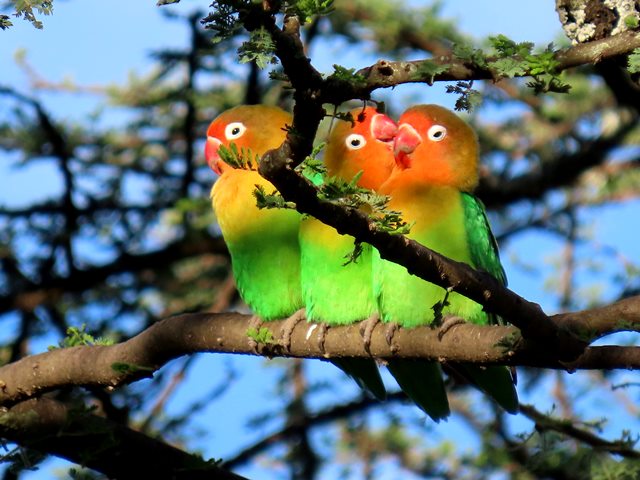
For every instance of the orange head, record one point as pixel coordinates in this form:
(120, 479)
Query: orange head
(365, 145)
(435, 146)
(258, 128)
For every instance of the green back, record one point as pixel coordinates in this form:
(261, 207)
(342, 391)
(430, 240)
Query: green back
(334, 292)
(458, 230)
(266, 265)
(482, 243)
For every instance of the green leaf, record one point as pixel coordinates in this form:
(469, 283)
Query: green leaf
(509, 67)
(631, 21)
(469, 97)
(348, 75)
(5, 22)
(305, 9)
(263, 335)
(430, 69)
(505, 47)
(259, 48)
(271, 200)
(78, 336)
(633, 61)
(25, 9)
(468, 54)
(243, 159)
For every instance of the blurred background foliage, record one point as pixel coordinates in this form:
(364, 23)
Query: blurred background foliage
(129, 238)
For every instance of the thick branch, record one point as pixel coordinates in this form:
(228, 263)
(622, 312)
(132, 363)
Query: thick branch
(100, 444)
(139, 357)
(386, 74)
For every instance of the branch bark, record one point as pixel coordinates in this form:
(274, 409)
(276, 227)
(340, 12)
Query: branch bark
(118, 452)
(138, 357)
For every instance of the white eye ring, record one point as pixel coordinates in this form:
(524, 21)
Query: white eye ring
(437, 133)
(234, 130)
(355, 141)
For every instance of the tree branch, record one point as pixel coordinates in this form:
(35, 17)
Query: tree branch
(566, 427)
(50, 426)
(387, 74)
(138, 357)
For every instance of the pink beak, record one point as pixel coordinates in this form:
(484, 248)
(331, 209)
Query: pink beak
(383, 128)
(405, 142)
(211, 154)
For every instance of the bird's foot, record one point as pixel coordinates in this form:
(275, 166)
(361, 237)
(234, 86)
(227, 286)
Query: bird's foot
(448, 322)
(254, 325)
(323, 328)
(288, 326)
(389, 333)
(366, 330)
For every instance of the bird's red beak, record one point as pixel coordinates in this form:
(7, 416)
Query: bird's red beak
(383, 128)
(211, 154)
(406, 141)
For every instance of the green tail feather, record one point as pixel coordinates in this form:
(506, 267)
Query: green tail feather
(422, 382)
(365, 373)
(495, 381)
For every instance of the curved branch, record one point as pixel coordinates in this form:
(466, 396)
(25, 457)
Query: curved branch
(140, 356)
(566, 427)
(387, 74)
(86, 439)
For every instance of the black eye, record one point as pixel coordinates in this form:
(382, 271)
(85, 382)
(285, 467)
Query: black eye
(355, 141)
(234, 130)
(437, 133)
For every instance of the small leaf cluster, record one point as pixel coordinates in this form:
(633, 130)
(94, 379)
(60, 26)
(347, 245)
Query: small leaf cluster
(312, 168)
(25, 9)
(259, 48)
(349, 194)
(224, 18)
(5, 22)
(349, 75)
(469, 54)
(305, 9)
(78, 336)
(262, 335)
(469, 97)
(271, 200)
(633, 61)
(517, 59)
(243, 158)
(429, 69)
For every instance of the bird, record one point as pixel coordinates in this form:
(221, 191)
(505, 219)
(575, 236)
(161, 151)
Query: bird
(436, 171)
(262, 243)
(337, 291)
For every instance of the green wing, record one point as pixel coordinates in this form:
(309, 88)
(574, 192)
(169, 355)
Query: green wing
(482, 243)
(497, 381)
(421, 381)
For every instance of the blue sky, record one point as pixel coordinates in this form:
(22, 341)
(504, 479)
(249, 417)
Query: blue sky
(97, 43)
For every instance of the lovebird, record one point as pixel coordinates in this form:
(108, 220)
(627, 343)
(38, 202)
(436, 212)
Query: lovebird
(337, 291)
(263, 243)
(436, 170)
